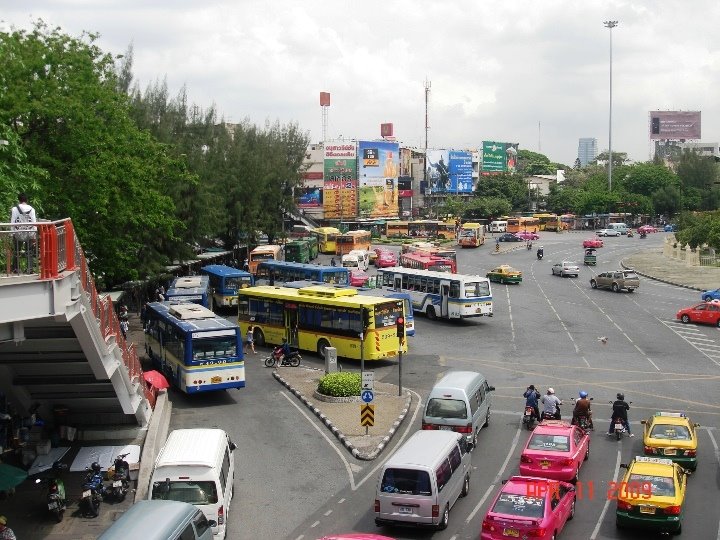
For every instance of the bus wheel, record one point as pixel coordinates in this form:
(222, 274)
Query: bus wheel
(431, 313)
(259, 337)
(321, 346)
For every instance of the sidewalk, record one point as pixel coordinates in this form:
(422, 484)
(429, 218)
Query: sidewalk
(652, 264)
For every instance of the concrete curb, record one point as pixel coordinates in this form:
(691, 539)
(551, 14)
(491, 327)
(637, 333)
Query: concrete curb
(154, 441)
(661, 280)
(339, 434)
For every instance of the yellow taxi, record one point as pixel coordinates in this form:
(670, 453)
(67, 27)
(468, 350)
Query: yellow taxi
(651, 495)
(504, 274)
(671, 435)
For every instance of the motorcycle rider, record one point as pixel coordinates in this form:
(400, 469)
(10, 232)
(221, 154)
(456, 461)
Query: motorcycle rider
(551, 404)
(282, 351)
(540, 252)
(532, 396)
(620, 409)
(529, 245)
(582, 408)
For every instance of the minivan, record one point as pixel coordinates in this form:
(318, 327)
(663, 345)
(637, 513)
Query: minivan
(161, 520)
(460, 402)
(196, 466)
(357, 258)
(498, 226)
(420, 482)
(622, 227)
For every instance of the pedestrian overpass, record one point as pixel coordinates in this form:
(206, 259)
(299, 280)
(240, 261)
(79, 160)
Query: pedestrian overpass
(61, 348)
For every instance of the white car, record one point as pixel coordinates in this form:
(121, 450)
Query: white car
(608, 232)
(565, 269)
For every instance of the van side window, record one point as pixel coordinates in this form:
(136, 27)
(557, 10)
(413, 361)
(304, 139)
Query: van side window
(201, 524)
(188, 533)
(225, 470)
(474, 403)
(443, 474)
(455, 458)
(481, 393)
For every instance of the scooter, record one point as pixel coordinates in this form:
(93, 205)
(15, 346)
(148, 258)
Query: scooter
(630, 234)
(550, 416)
(289, 360)
(540, 254)
(643, 235)
(119, 475)
(56, 502)
(92, 493)
(529, 418)
(618, 426)
(583, 421)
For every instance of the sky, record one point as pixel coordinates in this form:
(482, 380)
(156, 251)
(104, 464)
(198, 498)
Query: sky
(533, 72)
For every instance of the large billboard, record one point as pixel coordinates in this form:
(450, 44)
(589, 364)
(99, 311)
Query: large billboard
(449, 171)
(674, 125)
(340, 181)
(499, 157)
(379, 166)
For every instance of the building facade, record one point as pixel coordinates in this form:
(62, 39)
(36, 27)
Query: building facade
(587, 150)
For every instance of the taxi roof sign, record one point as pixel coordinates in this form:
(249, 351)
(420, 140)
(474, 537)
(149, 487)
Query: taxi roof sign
(659, 461)
(672, 414)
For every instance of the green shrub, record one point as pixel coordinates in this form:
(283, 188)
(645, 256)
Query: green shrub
(340, 385)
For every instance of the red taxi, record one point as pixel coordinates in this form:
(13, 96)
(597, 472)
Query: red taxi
(529, 507)
(556, 449)
(593, 243)
(358, 278)
(646, 229)
(706, 313)
(385, 258)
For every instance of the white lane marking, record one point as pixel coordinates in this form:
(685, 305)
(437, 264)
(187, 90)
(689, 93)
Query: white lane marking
(512, 322)
(314, 524)
(341, 500)
(585, 360)
(596, 530)
(690, 342)
(327, 513)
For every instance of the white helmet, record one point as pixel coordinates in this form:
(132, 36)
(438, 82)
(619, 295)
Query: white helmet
(551, 390)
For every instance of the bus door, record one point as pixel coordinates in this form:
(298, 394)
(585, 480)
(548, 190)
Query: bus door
(291, 324)
(398, 283)
(444, 296)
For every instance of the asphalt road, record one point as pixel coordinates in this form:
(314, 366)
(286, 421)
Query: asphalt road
(295, 481)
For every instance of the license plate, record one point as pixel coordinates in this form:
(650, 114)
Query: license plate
(117, 483)
(52, 506)
(670, 451)
(647, 509)
(511, 532)
(216, 380)
(406, 510)
(544, 464)
(446, 428)
(86, 493)
(619, 426)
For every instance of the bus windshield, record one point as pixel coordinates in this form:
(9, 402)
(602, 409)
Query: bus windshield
(474, 289)
(262, 256)
(238, 282)
(214, 347)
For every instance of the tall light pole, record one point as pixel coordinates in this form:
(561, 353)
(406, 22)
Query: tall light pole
(610, 25)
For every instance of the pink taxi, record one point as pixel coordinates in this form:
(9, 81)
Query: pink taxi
(358, 278)
(528, 507)
(385, 258)
(555, 450)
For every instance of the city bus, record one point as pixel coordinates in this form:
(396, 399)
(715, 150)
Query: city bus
(269, 252)
(471, 235)
(195, 289)
(568, 222)
(352, 240)
(316, 317)
(547, 221)
(225, 282)
(430, 249)
(396, 229)
(524, 223)
(428, 228)
(420, 260)
(327, 237)
(312, 243)
(270, 272)
(196, 350)
(297, 251)
(441, 295)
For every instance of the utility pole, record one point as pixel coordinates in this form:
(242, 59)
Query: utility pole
(610, 25)
(427, 128)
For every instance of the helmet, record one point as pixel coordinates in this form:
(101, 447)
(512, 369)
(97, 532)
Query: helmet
(551, 390)
(541, 247)
(583, 394)
(621, 396)
(95, 466)
(284, 340)
(531, 387)
(3, 520)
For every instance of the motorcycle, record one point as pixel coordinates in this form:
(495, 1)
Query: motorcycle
(56, 502)
(583, 421)
(630, 234)
(618, 426)
(643, 235)
(545, 415)
(529, 418)
(119, 475)
(289, 360)
(92, 493)
(540, 254)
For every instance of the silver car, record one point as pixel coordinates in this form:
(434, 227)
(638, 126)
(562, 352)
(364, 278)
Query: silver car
(565, 269)
(608, 232)
(616, 280)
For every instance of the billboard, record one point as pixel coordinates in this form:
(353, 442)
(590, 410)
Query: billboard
(378, 173)
(674, 125)
(449, 171)
(340, 181)
(499, 157)
(309, 197)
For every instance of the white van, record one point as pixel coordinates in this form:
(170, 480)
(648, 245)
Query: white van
(357, 258)
(420, 482)
(196, 466)
(622, 227)
(498, 226)
(460, 402)
(160, 520)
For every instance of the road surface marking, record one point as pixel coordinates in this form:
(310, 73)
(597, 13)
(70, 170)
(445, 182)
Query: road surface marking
(595, 532)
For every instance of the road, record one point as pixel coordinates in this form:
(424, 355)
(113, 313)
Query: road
(293, 481)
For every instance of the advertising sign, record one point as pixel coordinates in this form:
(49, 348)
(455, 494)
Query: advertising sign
(449, 171)
(460, 172)
(493, 159)
(340, 185)
(674, 125)
(378, 172)
(308, 197)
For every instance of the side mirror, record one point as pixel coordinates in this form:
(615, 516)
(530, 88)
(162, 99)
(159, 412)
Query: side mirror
(643, 421)
(212, 523)
(469, 446)
(696, 425)
(491, 388)
(503, 482)
(232, 446)
(623, 466)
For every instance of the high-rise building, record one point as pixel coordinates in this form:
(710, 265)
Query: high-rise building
(587, 150)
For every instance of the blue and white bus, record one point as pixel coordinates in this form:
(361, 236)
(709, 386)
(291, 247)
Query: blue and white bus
(439, 294)
(225, 282)
(196, 350)
(195, 289)
(283, 271)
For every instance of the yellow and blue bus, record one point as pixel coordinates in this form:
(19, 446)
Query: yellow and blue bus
(194, 289)
(225, 282)
(314, 318)
(196, 350)
(271, 272)
(327, 239)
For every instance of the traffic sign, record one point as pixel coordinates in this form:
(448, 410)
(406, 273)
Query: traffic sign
(367, 415)
(367, 396)
(367, 380)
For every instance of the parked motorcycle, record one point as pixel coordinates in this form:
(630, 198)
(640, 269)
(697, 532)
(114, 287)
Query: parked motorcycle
(119, 475)
(289, 360)
(529, 418)
(56, 502)
(618, 425)
(92, 491)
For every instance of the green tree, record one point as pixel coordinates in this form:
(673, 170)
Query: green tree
(648, 178)
(700, 173)
(511, 187)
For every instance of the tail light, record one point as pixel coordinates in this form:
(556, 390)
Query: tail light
(650, 450)
(464, 429)
(435, 510)
(625, 506)
(536, 533)
(672, 510)
(691, 453)
(428, 426)
(487, 524)
(377, 506)
(221, 515)
(565, 462)
(525, 459)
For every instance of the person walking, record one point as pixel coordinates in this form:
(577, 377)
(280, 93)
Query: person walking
(23, 235)
(250, 339)
(6, 533)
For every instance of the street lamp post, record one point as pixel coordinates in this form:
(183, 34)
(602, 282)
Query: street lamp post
(610, 25)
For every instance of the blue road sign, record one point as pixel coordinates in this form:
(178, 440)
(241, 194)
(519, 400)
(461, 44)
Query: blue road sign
(367, 396)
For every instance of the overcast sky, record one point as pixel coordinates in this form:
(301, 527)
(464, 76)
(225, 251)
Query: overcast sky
(535, 72)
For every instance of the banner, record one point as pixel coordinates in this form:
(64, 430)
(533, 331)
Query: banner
(340, 181)
(378, 172)
(499, 157)
(308, 197)
(460, 167)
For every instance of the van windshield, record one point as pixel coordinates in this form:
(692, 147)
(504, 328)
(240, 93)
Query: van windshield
(446, 408)
(406, 482)
(192, 492)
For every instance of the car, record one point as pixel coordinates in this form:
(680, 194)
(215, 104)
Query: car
(566, 268)
(706, 313)
(593, 243)
(671, 435)
(509, 237)
(650, 495)
(528, 507)
(616, 280)
(647, 229)
(670, 227)
(608, 232)
(712, 294)
(528, 235)
(385, 258)
(504, 274)
(358, 278)
(556, 449)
